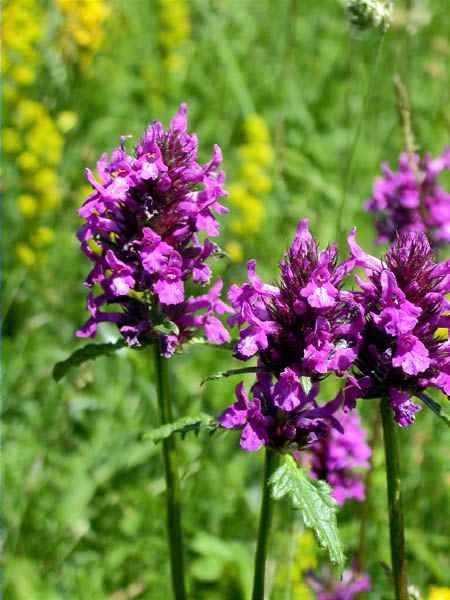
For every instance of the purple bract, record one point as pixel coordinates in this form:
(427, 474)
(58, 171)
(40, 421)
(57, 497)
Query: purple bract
(410, 199)
(405, 303)
(141, 232)
(307, 326)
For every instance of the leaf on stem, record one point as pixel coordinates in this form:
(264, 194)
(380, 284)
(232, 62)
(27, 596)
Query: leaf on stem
(435, 407)
(231, 372)
(201, 422)
(82, 355)
(313, 499)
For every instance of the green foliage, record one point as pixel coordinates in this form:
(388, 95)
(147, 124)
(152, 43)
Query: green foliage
(312, 498)
(83, 502)
(81, 355)
(183, 426)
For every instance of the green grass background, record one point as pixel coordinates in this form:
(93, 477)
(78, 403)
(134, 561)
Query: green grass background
(83, 506)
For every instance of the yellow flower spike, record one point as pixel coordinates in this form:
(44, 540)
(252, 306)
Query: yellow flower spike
(26, 255)
(11, 140)
(260, 153)
(43, 237)
(234, 251)
(256, 129)
(23, 75)
(44, 179)
(439, 593)
(27, 205)
(51, 198)
(256, 179)
(28, 161)
(66, 120)
(174, 63)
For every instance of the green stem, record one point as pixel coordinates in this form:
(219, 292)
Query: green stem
(396, 524)
(173, 495)
(265, 519)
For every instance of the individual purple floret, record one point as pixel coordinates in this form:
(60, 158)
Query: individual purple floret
(327, 588)
(410, 199)
(141, 232)
(402, 352)
(307, 326)
(341, 458)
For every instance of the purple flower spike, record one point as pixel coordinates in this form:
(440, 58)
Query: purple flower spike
(306, 326)
(141, 228)
(402, 352)
(410, 199)
(341, 458)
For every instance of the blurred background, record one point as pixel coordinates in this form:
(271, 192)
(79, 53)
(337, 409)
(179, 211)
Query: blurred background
(281, 87)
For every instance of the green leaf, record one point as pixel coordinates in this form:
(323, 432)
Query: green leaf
(166, 327)
(231, 372)
(435, 407)
(313, 499)
(183, 426)
(88, 352)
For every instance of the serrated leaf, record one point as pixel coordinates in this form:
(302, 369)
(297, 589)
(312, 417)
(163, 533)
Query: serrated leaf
(183, 426)
(313, 499)
(88, 352)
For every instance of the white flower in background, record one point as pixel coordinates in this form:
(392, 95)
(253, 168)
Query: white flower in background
(365, 14)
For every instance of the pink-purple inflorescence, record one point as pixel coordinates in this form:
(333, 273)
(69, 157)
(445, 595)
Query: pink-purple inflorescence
(341, 458)
(326, 587)
(410, 199)
(404, 299)
(307, 326)
(142, 222)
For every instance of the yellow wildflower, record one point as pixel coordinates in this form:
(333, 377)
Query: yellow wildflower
(439, 593)
(26, 255)
(44, 179)
(27, 205)
(66, 120)
(28, 161)
(11, 140)
(175, 30)
(234, 251)
(23, 74)
(259, 152)
(256, 129)
(256, 179)
(43, 236)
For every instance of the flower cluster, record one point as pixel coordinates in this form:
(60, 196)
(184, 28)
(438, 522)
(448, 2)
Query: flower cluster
(405, 306)
(82, 29)
(327, 588)
(247, 194)
(31, 141)
(141, 232)
(367, 14)
(307, 326)
(341, 458)
(410, 199)
(175, 30)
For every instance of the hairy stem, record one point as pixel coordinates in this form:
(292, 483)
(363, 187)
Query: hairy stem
(173, 495)
(396, 521)
(265, 519)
